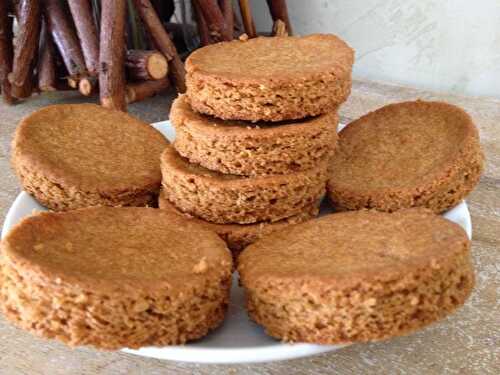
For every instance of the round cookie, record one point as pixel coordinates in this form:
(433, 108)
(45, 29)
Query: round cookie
(85, 278)
(357, 276)
(79, 155)
(270, 79)
(222, 198)
(239, 236)
(424, 154)
(241, 148)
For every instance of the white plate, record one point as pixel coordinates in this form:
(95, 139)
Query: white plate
(238, 340)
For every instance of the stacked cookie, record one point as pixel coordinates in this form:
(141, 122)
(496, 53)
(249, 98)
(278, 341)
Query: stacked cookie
(254, 136)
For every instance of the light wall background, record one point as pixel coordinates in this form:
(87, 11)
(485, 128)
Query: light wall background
(442, 45)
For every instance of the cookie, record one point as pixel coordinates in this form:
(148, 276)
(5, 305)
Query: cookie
(412, 154)
(222, 198)
(239, 236)
(270, 79)
(79, 155)
(357, 276)
(114, 277)
(242, 148)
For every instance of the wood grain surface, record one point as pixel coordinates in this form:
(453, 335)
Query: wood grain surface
(468, 342)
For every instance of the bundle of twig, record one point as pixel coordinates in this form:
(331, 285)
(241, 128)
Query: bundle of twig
(120, 48)
(57, 46)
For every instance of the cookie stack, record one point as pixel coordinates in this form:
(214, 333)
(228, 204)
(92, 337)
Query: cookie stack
(255, 133)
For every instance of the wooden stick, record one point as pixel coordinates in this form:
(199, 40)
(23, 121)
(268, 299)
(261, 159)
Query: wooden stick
(87, 33)
(228, 13)
(72, 82)
(112, 54)
(26, 42)
(246, 15)
(201, 24)
(140, 90)
(279, 11)
(215, 20)
(279, 28)
(163, 42)
(24, 91)
(65, 38)
(6, 51)
(88, 86)
(146, 65)
(46, 64)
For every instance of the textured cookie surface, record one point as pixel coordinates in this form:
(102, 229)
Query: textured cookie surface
(114, 277)
(242, 148)
(79, 155)
(223, 198)
(239, 236)
(357, 276)
(405, 155)
(270, 79)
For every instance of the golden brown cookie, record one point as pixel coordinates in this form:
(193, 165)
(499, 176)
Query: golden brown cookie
(424, 154)
(114, 277)
(239, 236)
(223, 199)
(242, 148)
(78, 155)
(357, 276)
(270, 79)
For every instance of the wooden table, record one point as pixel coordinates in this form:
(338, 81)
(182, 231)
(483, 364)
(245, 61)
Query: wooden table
(468, 342)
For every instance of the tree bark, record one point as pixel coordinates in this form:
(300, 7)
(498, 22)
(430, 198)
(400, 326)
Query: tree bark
(163, 42)
(279, 11)
(246, 15)
(87, 33)
(6, 51)
(26, 45)
(146, 65)
(112, 54)
(215, 20)
(65, 38)
(47, 80)
(140, 90)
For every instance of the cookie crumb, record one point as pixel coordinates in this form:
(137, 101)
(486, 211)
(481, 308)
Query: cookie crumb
(201, 266)
(38, 247)
(69, 247)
